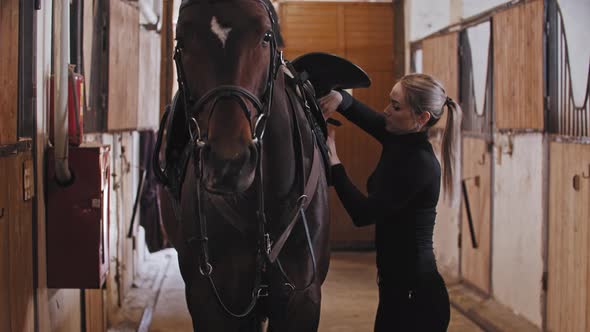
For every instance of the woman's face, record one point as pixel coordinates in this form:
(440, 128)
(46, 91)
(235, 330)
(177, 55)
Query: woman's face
(399, 118)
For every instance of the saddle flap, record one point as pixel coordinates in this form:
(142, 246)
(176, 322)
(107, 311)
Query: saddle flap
(174, 138)
(177, 136)
(329, 72)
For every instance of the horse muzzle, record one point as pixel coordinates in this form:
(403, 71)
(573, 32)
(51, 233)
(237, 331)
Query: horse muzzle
(223, 175)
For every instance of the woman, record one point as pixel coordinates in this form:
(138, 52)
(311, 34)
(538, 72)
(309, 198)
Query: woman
(402, 195)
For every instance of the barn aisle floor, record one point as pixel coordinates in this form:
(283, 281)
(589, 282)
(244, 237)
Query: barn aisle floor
(349, 298)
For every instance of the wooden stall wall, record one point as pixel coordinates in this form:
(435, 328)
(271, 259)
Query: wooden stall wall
(96, 62)
(123, 66)
(440, 59)
(568, 290)
(518, 66)
(9, 22)
(5, 162)
(312, 26)
(475, 262)
(123, 190)
(16, 237)
(64, 310)
(518, 219)
(96, 313)
(362, 33)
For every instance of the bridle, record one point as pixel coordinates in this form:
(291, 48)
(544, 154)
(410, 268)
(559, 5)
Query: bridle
(262, 105)
(267, 252)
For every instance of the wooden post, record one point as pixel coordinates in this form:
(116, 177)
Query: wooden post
(166, 68)
(399, 39)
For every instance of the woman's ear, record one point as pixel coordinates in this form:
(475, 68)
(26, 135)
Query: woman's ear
(424, 118)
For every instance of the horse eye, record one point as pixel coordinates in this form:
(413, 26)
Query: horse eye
(267, 37)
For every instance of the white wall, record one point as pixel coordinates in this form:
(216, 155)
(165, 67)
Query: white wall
(149, 79)
(474, 7)
(517, 226)
(479, 41)
(424, 17)
(575, 17)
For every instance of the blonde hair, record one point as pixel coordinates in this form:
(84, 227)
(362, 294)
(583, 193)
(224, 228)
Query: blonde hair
(426, 94)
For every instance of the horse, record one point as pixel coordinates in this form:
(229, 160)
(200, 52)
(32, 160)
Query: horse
(247, 189)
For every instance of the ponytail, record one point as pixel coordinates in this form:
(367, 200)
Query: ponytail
(426, 94)
(450, 143)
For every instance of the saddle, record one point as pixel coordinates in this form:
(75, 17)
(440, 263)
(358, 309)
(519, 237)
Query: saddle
(307, 74)
(305, 91)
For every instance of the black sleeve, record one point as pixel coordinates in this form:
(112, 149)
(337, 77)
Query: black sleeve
(402, 185)
(373, 123)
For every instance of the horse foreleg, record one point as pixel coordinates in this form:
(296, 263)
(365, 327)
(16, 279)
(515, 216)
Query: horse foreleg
(301, 312)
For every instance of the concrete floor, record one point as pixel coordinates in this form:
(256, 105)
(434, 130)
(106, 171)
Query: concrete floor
(349, 298)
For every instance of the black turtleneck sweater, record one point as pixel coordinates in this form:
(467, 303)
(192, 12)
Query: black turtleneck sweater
(402, 195)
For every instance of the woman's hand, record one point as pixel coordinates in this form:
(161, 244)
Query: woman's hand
(330, 102)
(331, 141)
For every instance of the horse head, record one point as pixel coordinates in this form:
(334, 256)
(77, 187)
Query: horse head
(226, 56)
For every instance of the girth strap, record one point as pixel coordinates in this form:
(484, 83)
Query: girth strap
(301, 205)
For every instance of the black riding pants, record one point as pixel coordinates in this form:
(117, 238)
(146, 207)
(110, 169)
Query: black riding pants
(424, 307)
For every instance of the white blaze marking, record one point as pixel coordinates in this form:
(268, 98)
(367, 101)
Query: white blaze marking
(219, 31)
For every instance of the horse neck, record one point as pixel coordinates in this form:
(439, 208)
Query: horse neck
(279, 166)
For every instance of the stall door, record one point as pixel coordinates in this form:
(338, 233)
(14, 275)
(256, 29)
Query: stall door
(475, 235)
(442, 62)
(568, 276)
(4, 255)
(9, 24)
(362, 33)
(16, 243)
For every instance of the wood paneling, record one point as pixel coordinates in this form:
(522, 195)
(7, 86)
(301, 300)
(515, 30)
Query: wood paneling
(123, 66)
(368, 31)
(5, 165)
(167, 68)
(21, 251)
(96, 315)
(518, 66)
(311, 26)
(9, 21)
(16, 256)
(568, 290)
(440, 59)
(475, 262)
(362, 33)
